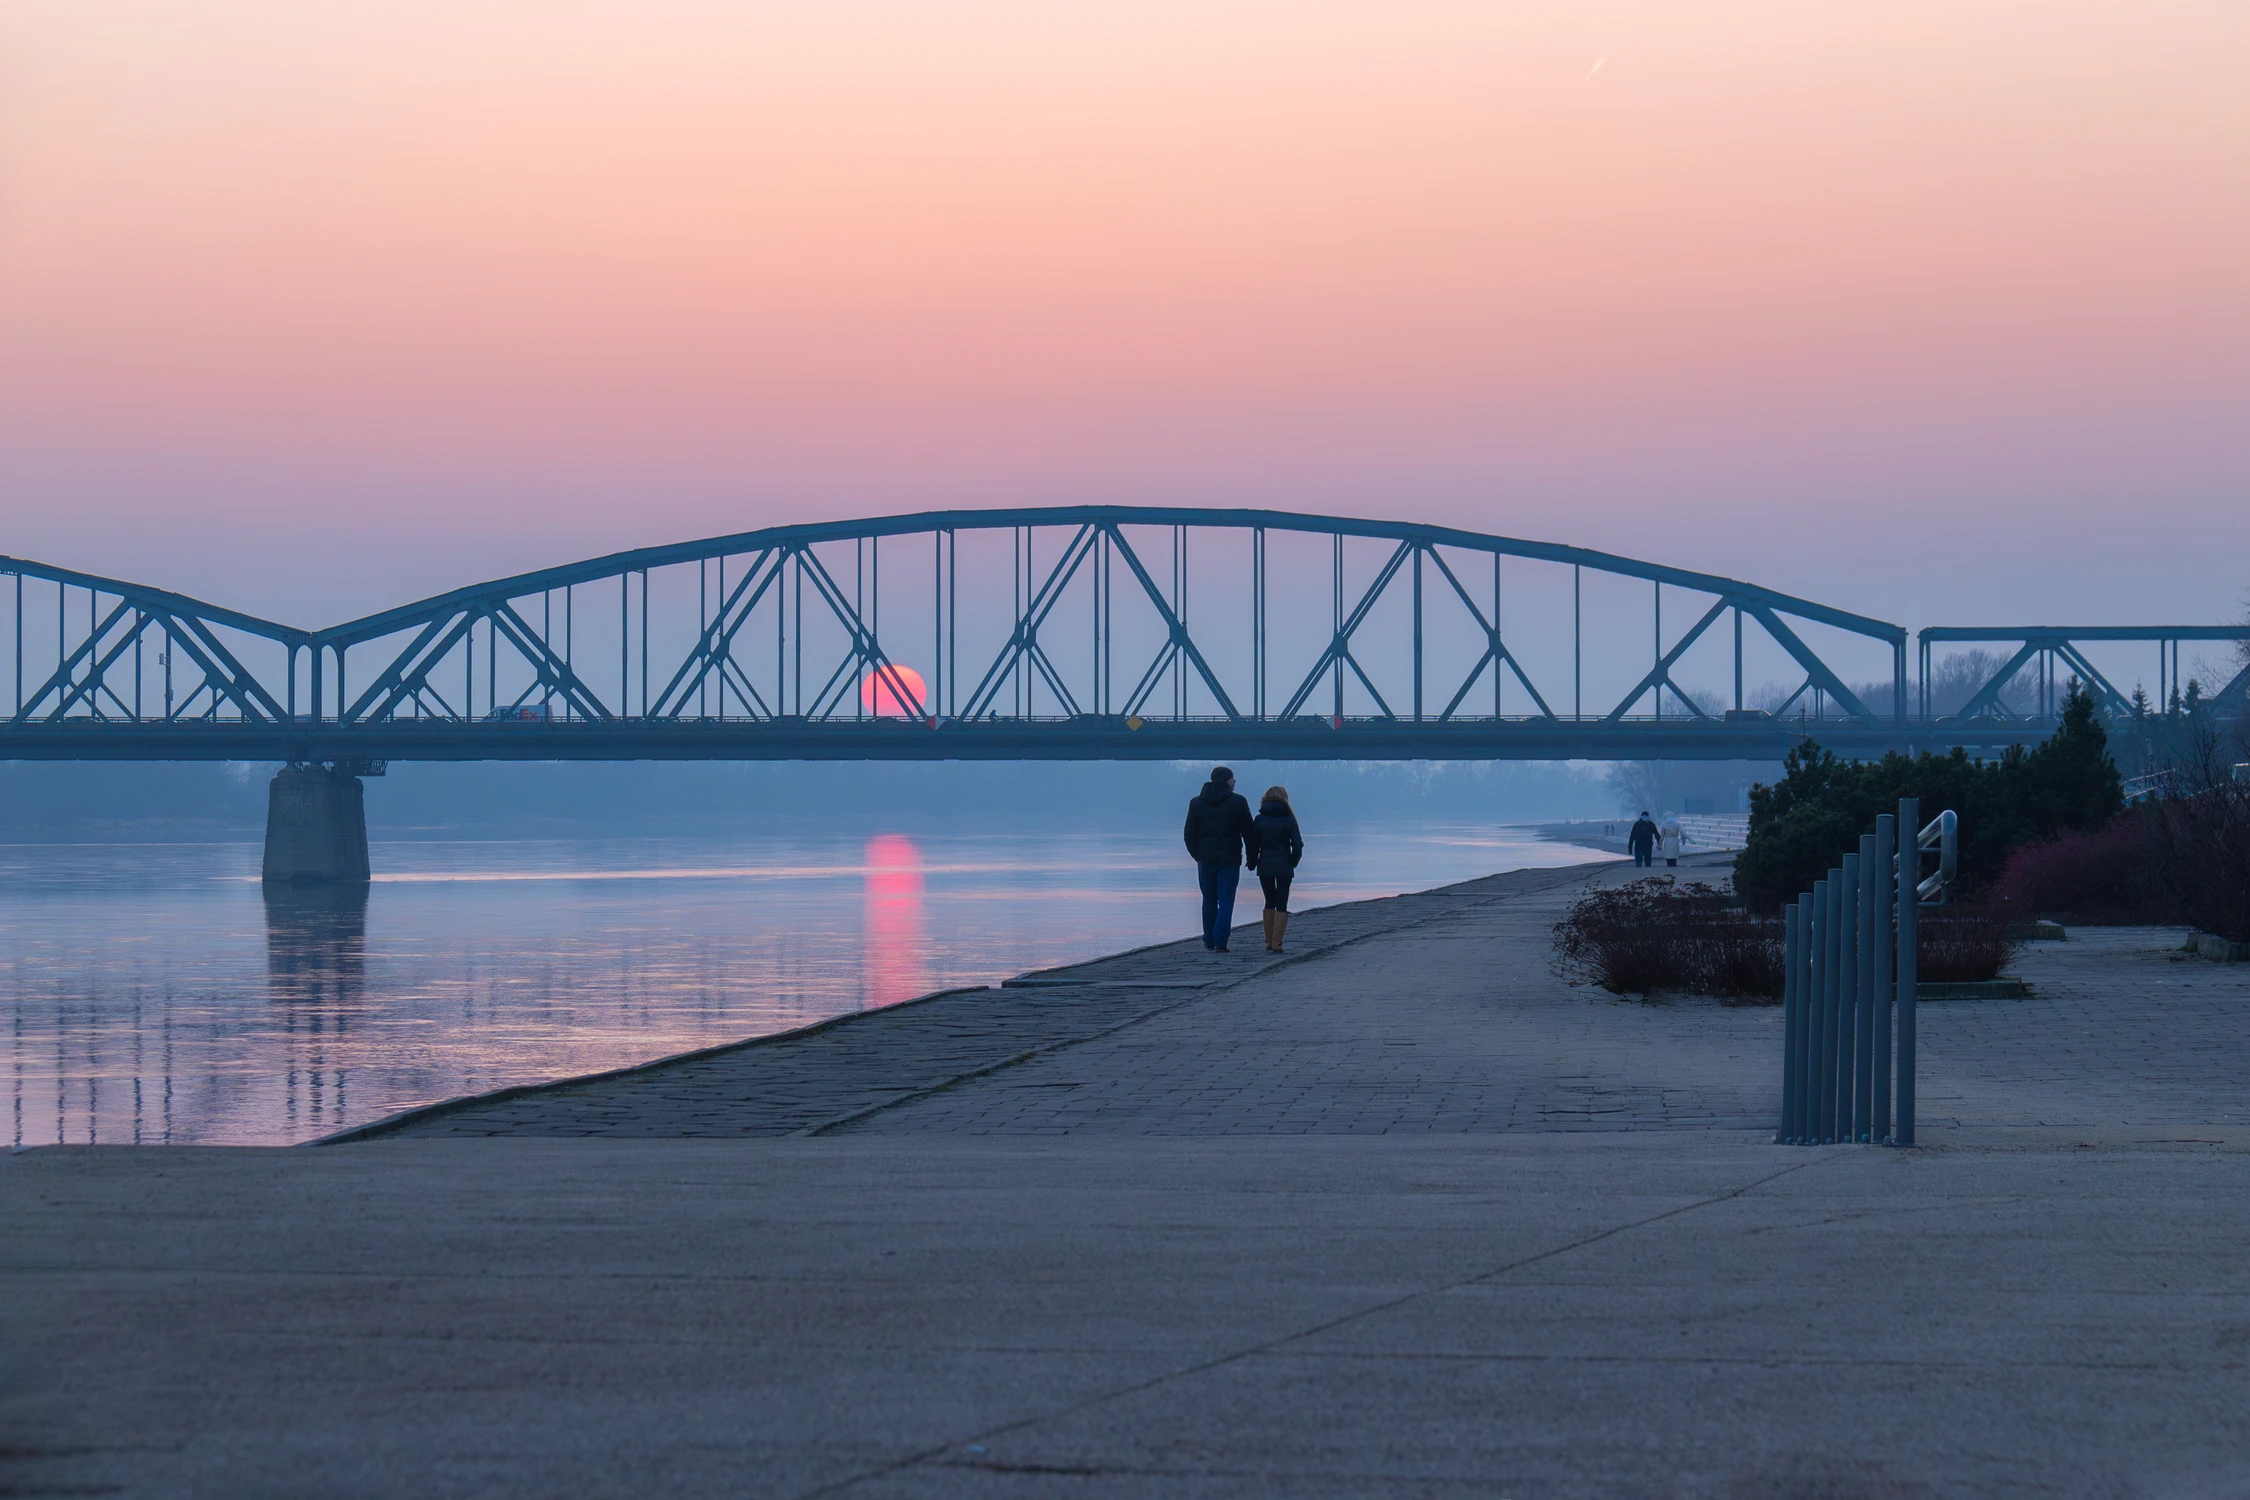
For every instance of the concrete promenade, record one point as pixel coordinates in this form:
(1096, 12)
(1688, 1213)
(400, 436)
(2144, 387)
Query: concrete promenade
(1402, 1215)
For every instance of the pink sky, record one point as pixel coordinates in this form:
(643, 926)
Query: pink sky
(1933, 311)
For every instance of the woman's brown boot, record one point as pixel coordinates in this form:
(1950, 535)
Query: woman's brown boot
(1280, 926)
(1269, 929)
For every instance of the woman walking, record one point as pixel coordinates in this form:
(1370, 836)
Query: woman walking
(1279, 847)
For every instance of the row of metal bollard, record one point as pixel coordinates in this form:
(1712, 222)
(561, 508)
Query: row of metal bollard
(1850, 951)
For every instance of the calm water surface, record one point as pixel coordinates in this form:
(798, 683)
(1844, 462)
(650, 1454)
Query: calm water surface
(155, 993)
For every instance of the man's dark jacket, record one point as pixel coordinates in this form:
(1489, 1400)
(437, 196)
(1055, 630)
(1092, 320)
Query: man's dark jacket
(1218, 821)
(1642, 837)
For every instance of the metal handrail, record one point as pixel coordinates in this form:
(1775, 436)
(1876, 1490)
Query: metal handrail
(1944, 835)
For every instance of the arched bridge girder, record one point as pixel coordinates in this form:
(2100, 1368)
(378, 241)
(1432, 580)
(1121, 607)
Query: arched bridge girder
(788, 628)
(120, 621)
(1097, 538)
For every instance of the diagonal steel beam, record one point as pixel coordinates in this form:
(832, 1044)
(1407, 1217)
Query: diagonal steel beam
(243, 686)
(1496, 648)
(1024, 635)
(1659, 676)
(551, 668)
(2105, 692)
(1816, 669)
(65, 676)
(97, 677)
(1988, 696)
(716, 640)
(1339, 645)
(1178, 632)
(864, 647)
(409, 672)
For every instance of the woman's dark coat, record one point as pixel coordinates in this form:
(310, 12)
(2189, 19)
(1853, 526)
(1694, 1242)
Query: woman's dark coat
(1279, 844)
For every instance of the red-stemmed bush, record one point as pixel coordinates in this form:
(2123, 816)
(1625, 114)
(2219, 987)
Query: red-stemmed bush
(2106, 878)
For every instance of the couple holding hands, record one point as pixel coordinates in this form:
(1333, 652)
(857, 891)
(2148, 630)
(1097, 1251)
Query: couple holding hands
(1224, 839)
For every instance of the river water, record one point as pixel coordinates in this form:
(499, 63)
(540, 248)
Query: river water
(156, 993)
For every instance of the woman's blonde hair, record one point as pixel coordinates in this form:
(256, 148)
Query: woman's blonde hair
(1278, 794)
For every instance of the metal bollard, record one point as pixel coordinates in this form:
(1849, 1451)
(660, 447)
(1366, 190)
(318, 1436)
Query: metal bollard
(1863, 983)
(1847, 991)
(1821, 1086)
(1832, 965)
(1909, 882)
(1802, 1059)
(1789, 1022)
(1886, 902)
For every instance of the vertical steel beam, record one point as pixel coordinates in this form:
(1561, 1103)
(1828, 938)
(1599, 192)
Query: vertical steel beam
(1909, 877)
(1336, 617)
(1497, 674)
(1738, 658)
(1577, 645)
(1258, 622)
(1417, 632)
(1658, 659)
(937, 623)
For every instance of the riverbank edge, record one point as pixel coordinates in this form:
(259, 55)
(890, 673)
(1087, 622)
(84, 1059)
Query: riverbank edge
(404, 1119)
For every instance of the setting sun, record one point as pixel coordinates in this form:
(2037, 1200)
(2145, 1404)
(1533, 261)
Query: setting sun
(878, 692)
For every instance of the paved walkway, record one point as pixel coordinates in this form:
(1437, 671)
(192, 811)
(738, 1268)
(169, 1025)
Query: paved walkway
(1406, 1215)
(1176, 1040)
(1434, 1012)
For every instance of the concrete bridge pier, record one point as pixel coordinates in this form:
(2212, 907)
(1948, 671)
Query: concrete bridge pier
(316, 825)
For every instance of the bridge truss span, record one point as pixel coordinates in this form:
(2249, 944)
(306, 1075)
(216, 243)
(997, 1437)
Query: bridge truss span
(1072, 632)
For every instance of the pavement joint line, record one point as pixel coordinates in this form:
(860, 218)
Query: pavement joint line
(1220, 1361)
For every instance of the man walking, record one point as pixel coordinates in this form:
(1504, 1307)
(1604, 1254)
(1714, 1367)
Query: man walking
(1218, 825)
(1642, 840)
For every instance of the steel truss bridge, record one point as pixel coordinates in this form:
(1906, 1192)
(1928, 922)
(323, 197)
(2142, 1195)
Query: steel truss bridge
(1125, 633)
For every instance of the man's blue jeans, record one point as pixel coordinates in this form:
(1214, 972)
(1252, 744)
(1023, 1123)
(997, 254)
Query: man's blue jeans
(1218, 882)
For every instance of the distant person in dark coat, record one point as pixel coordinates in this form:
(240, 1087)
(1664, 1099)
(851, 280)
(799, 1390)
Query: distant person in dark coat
(1279, 847)
(1218, 828)
(1642, 840)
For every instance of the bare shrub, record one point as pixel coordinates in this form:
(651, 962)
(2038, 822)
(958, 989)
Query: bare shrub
(2203, 858)
(1659, 934)
(1962, 947)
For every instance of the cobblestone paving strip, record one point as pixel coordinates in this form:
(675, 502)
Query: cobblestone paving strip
(846, 1070)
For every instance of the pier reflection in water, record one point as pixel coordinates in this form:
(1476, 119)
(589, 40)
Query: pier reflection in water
(316, 981)
(154, 993)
